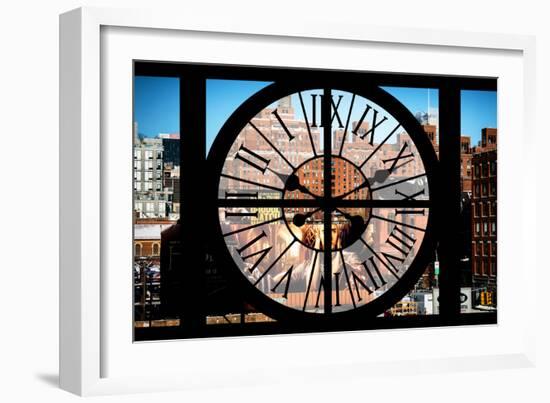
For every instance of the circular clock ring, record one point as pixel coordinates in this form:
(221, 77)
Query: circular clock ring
(276, 207)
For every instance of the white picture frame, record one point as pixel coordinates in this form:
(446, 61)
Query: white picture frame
(96, 354)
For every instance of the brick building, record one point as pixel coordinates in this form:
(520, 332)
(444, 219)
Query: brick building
(484, 212)
(147, 237)
(431, 131)
(465, 165)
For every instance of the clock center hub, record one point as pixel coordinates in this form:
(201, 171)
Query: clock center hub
(347, 221)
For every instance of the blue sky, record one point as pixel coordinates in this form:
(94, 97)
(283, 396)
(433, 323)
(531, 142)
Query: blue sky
(478, 110)
(416, 99)
(156, 105)
(222, 98)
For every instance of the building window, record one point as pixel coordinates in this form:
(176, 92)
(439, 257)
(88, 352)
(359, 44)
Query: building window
(493, 228)
(485, 228)
(156, 249)
(138, 249)
(485, 170)
(478, 228)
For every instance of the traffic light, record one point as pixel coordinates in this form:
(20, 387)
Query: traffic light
(489, 298)
(483, 298)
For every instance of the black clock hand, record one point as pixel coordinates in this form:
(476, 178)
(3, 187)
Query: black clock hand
(300, 219)
(379, 177)
(292, 183)
(382, 174)
(281, 176)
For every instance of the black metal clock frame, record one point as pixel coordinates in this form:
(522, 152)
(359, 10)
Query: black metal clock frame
(199, 195)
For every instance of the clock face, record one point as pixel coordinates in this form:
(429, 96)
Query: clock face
(324, 200)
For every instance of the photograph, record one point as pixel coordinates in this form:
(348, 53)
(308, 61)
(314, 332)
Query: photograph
(276, 200)
(256, 202)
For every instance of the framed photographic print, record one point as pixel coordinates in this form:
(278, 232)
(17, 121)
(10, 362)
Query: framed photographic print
(323, 202)
(319, 191)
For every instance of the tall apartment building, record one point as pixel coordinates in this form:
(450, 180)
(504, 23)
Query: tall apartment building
(150, 197)
(484, 212)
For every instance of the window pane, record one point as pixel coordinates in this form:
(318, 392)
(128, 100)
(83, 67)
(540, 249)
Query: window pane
(156, 196)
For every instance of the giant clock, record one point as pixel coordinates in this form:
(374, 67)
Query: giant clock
(325, 200)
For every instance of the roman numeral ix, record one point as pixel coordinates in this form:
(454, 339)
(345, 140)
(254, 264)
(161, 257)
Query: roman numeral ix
(374, 126)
